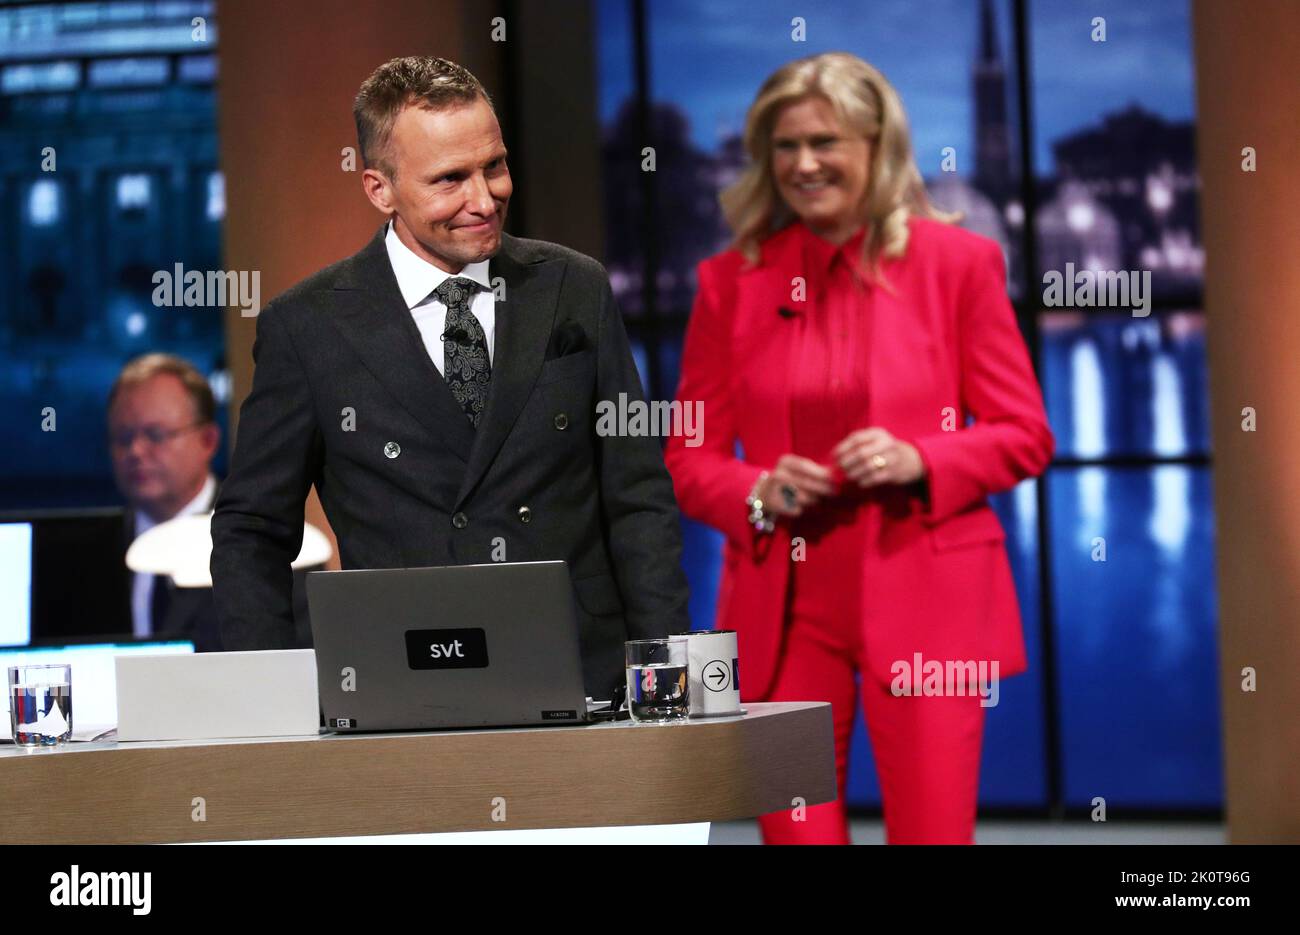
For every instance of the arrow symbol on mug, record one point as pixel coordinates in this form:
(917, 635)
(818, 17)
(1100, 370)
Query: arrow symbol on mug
(716, 671)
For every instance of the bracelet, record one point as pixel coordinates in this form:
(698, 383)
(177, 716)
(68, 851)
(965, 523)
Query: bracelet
(760, 518)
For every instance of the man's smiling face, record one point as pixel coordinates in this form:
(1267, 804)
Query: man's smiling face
(452, 185)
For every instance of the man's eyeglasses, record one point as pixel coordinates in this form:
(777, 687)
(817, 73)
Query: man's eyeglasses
(155, 435)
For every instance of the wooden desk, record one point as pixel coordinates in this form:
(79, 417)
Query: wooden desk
(581, 776)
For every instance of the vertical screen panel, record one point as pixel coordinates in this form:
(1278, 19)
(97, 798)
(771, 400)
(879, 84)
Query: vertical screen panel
(1133, 578)
(109, 155)
(1114, 141)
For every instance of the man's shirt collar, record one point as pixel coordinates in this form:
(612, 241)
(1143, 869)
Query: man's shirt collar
(417, 278)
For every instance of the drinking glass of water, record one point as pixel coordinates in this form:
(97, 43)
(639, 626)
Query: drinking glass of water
(40, 705)
(657, 680)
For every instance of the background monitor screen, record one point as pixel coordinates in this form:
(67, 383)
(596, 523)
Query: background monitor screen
(15, 584)
(63, 577)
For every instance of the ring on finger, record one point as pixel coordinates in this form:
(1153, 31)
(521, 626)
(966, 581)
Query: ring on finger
(878, 462)
(789, 495)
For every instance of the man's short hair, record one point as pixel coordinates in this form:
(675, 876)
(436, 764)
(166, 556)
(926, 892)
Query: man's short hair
(149, 366)
(431, 83)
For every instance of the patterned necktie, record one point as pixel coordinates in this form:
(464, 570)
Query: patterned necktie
(465, 367)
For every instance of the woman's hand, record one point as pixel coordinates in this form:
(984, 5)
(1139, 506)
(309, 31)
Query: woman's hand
(872, 456)
(793, 484)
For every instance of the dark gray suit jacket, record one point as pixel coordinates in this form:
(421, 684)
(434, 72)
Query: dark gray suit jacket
(345, 397)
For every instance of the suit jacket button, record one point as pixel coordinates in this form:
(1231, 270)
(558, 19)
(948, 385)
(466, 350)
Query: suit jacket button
(392, 450)
(561, 421)
(525, 515)
(460, 520)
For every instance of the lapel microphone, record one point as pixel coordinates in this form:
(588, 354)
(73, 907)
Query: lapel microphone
(459, 335)
(787, 312)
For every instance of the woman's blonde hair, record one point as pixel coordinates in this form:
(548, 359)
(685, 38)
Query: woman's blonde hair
(866, 104)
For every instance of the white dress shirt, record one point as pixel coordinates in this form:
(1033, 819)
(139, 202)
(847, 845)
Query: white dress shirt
(142, 584)
(417, 278)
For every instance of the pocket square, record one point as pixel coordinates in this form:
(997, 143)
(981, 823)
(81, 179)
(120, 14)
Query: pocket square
(567, 338)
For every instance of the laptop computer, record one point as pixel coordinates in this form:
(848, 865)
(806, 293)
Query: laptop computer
(491, 645)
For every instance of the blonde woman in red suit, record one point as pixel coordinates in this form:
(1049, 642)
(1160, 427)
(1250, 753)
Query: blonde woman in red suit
(844, 341)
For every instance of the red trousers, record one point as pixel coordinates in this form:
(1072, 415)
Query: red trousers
(926, 749)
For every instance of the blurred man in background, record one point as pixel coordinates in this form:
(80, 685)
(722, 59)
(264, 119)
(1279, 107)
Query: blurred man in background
(162, 435)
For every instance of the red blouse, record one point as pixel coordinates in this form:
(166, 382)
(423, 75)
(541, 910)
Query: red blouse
(828, 400)
(828, 389)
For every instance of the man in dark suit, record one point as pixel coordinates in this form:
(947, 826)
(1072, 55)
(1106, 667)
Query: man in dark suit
(439, 389)
(162, 436)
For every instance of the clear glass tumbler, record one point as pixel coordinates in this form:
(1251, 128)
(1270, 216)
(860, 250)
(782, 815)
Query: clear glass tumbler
(657, 680)
(40, 705)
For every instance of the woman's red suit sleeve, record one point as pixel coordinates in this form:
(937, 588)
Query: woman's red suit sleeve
(711, 483)
(1010, 438)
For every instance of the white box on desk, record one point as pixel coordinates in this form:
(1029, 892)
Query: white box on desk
(206, 696)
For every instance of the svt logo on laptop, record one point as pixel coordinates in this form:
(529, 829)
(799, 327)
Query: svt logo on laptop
(464, 648)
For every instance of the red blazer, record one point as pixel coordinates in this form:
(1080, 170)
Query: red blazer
(936, 579)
